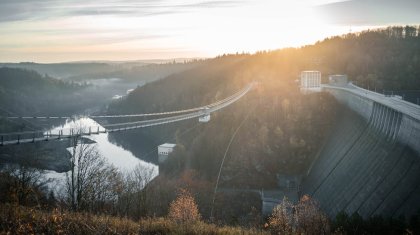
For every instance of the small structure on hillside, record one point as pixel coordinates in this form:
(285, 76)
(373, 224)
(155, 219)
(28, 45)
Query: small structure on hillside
(337, 80)
(206, 115)
(164, 150)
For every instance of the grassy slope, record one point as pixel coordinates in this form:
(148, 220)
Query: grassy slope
(21, 220)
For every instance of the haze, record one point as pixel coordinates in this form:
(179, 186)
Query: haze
(57, 31)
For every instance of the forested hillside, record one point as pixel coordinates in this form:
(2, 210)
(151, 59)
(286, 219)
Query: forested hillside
(285, 128)
(29, 93)
(369, 58)
(65, 70)
(145, 73)
(282, 131)
(383, 59)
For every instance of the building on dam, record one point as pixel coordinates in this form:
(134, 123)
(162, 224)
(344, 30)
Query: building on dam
(310, 81)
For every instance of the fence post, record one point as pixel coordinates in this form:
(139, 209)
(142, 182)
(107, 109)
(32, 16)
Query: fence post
(90, 131)
(18, 139)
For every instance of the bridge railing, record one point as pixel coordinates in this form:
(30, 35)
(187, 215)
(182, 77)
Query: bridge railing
(392, 96)
(366, 90)
(19, 136)
(36, 136)
(405, 107)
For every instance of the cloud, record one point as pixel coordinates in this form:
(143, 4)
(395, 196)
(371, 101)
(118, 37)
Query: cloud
(16, 10)
(372, 12)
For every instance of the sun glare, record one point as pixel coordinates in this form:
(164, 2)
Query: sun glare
(196, 32)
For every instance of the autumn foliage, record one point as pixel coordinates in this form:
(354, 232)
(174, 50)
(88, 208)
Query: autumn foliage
(305, 217)
(184, 209)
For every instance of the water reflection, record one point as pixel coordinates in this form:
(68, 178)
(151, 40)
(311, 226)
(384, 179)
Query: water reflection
(122, 159)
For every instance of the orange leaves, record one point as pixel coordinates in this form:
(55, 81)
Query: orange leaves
(184, 209)
(303, 218)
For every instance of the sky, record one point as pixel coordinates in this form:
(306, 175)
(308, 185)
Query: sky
(79, 30)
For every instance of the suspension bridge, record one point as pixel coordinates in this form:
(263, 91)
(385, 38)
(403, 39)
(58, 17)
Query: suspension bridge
(66, 133)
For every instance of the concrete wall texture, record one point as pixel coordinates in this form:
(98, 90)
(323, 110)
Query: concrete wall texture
(370, 163)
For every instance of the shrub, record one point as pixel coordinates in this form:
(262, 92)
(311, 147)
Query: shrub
(303, 218)
(184, 209)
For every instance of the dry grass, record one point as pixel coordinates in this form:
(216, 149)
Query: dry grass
(22, 220)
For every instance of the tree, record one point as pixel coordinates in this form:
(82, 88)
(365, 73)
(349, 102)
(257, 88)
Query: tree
(303, 218)
(22, 184)
(141, 176)
(183, 209)
(91, 181)
(281, 220)
(310, 219)
(133, 199)
(103, 189)
(410, 31)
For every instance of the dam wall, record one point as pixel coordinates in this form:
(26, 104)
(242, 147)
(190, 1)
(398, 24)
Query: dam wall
(384, 117)
(370, 163)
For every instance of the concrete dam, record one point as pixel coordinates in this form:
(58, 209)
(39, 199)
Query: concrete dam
(370, 163)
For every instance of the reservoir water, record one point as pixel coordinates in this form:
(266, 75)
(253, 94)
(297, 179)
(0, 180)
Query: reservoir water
(121, 158)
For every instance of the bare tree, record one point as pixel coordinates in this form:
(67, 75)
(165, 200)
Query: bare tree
(91, 181)
(309, 217)
(126, 197)
(24, 183)
(281, 220)
(142, 175)
(103, 189)
(303, 218)
(134, 196)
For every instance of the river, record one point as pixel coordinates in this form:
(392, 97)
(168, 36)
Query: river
(121, 158)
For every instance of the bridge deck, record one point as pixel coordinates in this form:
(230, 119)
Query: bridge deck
(395, 103)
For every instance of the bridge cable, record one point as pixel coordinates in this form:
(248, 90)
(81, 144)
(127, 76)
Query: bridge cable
(238, 93)
(125, 126)
(223, 160)
(10, 112)
(185, 116)
(174, 112)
